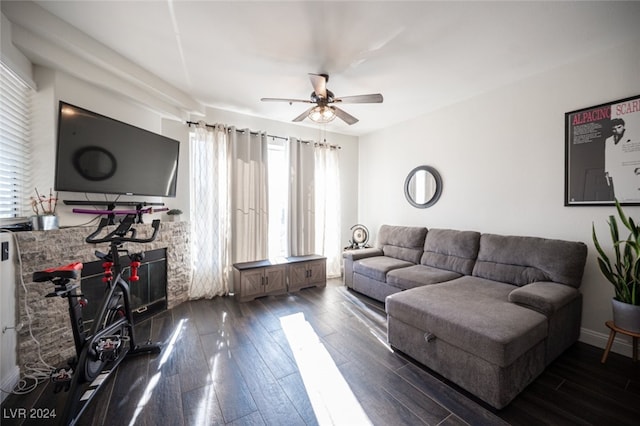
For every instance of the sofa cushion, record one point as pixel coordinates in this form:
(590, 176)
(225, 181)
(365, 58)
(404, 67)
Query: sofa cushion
(523, 260)
(451, 250)
(418, 275)
(543, 296)
(473, 314)
(377, 267)
(402, 242)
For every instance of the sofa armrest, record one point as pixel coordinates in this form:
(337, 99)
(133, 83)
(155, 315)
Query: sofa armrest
(351, 256)
(543, 296)
(354, 255)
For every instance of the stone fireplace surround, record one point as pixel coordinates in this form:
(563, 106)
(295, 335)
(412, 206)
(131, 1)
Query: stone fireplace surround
(49, 317)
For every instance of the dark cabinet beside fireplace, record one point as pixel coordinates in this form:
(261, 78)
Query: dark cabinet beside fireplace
(148, 295)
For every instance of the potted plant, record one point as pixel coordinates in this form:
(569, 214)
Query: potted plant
(45, 211)
(623, 271)
(174, 214)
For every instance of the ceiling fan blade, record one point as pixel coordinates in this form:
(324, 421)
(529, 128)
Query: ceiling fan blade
(345, 116)
(303, 115)
(306, 101)
(319, 83)
(374, 98)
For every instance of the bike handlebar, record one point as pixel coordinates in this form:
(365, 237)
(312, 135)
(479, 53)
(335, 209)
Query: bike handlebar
(119, 234)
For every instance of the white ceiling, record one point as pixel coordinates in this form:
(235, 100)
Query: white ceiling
(420, 55)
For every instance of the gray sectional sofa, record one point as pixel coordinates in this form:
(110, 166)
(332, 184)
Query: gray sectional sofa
(488, 312)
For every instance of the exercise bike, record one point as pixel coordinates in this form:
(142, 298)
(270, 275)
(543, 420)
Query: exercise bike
(111, 337)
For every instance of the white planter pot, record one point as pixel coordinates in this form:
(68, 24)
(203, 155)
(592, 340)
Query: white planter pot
(626, 316)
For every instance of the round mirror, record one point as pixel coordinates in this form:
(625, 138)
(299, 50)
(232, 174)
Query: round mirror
(423, 187)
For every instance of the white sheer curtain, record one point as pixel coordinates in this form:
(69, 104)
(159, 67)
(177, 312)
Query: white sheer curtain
(302, 216)
(249, 195)
(327, 193)
(210, 212)
(230, 208)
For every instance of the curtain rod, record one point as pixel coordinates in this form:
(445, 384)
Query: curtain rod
(213, 126)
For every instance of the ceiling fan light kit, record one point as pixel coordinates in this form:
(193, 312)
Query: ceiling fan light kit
(324, 112)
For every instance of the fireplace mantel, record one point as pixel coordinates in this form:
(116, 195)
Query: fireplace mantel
(49, 317)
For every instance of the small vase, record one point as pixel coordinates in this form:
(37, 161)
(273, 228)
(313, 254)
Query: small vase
(44, 222)
(626, 316)
(175, 218)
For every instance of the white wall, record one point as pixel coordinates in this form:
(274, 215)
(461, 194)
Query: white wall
(9, 371)
(501, 157)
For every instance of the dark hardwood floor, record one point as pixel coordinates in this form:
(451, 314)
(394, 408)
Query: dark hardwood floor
(319, 356)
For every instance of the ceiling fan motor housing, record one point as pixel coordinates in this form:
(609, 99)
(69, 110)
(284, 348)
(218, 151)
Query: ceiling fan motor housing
(322, 101)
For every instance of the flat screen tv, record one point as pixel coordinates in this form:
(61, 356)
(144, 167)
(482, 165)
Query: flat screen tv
(98, 154)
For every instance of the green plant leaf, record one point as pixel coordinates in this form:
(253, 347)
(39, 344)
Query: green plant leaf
(615, 237)
(623, 217)
(597, 244)
(623, 270)
(605, 268)
(635, 287)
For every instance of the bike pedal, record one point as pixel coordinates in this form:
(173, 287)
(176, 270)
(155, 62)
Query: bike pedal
(61, 377)
(107, 347)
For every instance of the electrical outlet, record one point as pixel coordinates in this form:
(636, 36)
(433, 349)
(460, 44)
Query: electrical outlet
(5, 250)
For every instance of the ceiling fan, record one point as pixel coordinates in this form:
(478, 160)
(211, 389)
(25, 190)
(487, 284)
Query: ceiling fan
(325, 109)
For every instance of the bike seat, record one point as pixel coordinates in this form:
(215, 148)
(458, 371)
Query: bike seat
(71, 270)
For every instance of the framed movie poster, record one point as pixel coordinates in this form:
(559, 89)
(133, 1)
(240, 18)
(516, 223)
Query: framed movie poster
(602, 154)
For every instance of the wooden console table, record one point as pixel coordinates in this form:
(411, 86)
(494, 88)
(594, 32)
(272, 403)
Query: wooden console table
(278, 276)
(612, 335)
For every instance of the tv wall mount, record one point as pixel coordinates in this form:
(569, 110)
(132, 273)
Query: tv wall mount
(140, 208)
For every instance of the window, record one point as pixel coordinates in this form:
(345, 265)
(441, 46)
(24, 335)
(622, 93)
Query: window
(278, 198)
(15, 101)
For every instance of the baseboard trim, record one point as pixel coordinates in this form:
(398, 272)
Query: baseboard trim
(9, 382)
(621, 344)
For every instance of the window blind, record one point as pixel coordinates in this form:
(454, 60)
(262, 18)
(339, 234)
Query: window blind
(15, 170)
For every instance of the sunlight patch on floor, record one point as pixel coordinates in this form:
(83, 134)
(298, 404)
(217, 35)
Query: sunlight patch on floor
(166, 353)
(206, 406)
(331, 397)
(371, 326)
